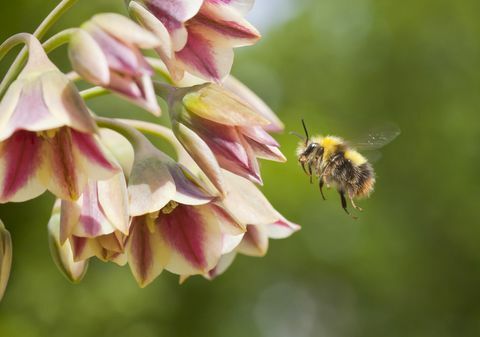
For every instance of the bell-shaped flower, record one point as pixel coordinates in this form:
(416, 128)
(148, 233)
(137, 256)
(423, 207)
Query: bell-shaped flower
(98, 221)
(62, 253)
(183, 239)
(5, 258)
(212, 116)
(106, 51)
(249, 206)
(198, 36)
(47, 136)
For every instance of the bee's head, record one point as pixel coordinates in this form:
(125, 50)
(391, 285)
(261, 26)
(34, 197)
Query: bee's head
(306, 151)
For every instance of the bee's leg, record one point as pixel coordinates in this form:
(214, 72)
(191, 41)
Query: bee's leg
(320, 184)
(344, 204)
(310, 172)
(303, 167)
(355, 206)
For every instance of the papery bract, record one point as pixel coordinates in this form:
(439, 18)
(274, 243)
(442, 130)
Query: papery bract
(106, 52)
(47, 136)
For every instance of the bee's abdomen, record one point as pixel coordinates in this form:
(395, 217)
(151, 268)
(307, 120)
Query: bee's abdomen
(356, 180)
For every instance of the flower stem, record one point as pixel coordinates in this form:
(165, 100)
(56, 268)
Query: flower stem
(139, 142)
(58, 39)
(41, 30)
(155, 130)
(93, 92)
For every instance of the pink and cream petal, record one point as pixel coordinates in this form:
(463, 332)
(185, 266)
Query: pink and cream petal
(193, 237)
(146, 255)
(113, 198)
(214, 103)
(88, 59)
(225, 25)
(201, 154)
(246, 203)
(62, 254)
(69, 218)
(173, 14)
(125, 30)
(255, 241)
(63, 100)
(222, 265)
(267, 152)
(188, 190)
(282, 229)
(204, 58)
(21, 159)
(150, 186)
(249, 97)
(242, 6)
(230, 242)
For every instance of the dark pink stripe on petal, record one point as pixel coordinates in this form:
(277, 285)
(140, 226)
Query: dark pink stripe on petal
(199, 54)
(87, 144)
(184, 231)
(140, 249)
(22, 157)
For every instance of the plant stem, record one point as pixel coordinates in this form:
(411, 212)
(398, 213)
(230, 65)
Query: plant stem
(93, 92)
(58, 39)
(41, 30)
(139, 142)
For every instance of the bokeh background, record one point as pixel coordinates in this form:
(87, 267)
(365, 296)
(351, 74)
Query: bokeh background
(409, 266)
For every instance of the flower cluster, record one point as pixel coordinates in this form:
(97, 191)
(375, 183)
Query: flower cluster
(119, 197)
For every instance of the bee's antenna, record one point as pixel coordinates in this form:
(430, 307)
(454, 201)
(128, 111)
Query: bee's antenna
(306, 132)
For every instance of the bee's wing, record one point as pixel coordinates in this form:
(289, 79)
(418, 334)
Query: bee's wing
(376, 138)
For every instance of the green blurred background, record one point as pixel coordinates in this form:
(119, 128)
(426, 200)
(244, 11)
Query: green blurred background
(410, 266)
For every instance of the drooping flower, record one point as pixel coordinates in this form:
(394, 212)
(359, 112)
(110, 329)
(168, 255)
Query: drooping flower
(62, 253)
(231, 129)
(47, 136)
(98, 221)
(106, 51)
(198, 36)
(5, 258)
(250, 207)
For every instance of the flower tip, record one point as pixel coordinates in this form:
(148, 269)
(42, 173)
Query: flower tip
(5, 258)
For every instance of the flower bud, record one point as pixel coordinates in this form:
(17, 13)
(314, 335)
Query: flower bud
(5, 258)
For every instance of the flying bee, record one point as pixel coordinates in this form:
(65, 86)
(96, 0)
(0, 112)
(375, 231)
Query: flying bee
(337, 163)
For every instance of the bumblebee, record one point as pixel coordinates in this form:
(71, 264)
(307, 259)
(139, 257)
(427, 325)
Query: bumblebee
(337, 163)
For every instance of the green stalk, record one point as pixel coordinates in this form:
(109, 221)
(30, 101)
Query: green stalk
(41, 30)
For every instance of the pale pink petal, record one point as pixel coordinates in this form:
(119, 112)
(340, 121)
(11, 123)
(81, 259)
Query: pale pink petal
(150, 186)
(259, 135)
(63, 100)
(226, 25)
(201, 154)
(62, 254)
(247, 203)
(120, 148)
(249, 97)
(255, 241)
(88, 59)
(230, 242)
(84, 248)
(266, 151)
(188, 190)
(69, 218)
(125, 29)
(282, 229)
(173, 14)
(228, 224)
(192, 235)
(92, 158)
(214, 103)
(113, 198)
(202, 57)
(243, 6)
(222, 265)
(21, 158)
(7, 107)
(146, 256)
